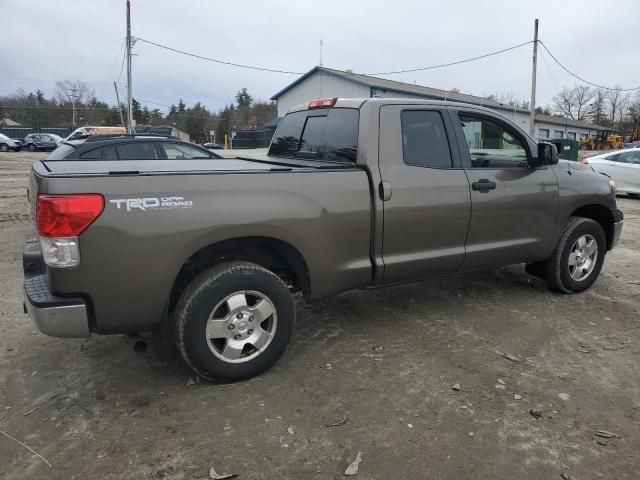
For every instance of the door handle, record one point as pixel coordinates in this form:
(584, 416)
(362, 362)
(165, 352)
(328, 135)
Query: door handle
(384, 190)
(483, 185)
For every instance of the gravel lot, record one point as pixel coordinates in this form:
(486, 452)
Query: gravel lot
(384, 359)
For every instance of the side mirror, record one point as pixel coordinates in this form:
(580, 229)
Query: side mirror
(547, 154)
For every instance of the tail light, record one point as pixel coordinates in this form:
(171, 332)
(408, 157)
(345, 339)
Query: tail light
(60, 220)
(584, 161)
(323, 103)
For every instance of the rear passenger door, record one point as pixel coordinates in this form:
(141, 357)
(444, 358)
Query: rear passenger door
(426, 204)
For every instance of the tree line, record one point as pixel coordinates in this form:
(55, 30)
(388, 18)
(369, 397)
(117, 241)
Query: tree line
(34, 109)
(611, 108)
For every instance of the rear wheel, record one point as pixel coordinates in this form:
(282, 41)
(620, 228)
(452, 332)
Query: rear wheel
(578, 258)
(32, 147)
(4, 147)
(234, 321)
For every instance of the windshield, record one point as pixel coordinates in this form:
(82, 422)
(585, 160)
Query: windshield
(326, 134)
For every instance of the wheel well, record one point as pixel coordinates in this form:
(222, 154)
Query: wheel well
(275, 255)
(600, 214)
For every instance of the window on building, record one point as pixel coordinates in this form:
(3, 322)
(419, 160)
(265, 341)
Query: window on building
(571, 135)
(424, 139)
(584, 136)
(543, 133)
(492, 145)
(558, 134)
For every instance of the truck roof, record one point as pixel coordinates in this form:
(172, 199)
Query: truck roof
(360, 102)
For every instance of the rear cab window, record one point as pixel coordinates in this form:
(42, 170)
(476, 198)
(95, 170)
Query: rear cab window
(324, 134)
(424, 139)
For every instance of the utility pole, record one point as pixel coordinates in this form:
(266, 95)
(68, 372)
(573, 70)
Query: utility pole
(74, 99)
(321, 44)
(129, 92)
(532, 115)
(119, 108)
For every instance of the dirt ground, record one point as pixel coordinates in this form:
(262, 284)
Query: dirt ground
(385, 360)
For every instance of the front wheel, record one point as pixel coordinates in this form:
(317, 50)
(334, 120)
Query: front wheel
(578, 258)
(32, 148)
(234, 321)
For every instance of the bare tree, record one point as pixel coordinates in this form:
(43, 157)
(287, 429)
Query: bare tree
(615, 98)
(574, 102)
(597, 110)
(74, 91)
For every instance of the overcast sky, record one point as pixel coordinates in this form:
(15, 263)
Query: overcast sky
(46, 41)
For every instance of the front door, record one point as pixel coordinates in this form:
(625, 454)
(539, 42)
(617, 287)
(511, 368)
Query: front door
(426, 205)
(514, 206)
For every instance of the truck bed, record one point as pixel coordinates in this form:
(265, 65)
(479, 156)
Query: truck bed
(130, 257)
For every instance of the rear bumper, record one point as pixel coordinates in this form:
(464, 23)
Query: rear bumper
(53, 315)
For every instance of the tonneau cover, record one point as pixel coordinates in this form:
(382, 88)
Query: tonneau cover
(132, 167)
(97, 167)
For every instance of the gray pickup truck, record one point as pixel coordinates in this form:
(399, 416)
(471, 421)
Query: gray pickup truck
(352, 194)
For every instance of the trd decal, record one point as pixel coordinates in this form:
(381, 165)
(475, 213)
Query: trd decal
(151, 203)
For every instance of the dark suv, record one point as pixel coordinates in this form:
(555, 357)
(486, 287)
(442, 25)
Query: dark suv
(129, 147)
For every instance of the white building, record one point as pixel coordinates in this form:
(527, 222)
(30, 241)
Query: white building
(321, 82)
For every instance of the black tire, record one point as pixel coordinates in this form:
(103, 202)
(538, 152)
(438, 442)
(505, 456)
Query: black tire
(634, 195)
(4, 147)
(210, 289)
(557, 271)
(32, 147)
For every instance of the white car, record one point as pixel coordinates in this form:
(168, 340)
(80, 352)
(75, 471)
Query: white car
(623, 166)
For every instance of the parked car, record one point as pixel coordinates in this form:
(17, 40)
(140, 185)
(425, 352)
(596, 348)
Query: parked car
(623, 166)
(84, 132)
(352, 194)
(130, 147)
(213, 146)
(7, 144)
(635, 144)
(40, 142)
(57, 138)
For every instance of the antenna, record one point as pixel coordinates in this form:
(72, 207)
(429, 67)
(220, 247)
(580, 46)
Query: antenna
(321, 44)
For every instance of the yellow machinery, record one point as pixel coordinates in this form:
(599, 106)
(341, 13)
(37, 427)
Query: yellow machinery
(604, 140)
(634, 137)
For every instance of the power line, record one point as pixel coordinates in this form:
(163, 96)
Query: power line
(108, 80)
(582, 79)
(458, 62)
(124, 57)
(201, 57)
(544, 59)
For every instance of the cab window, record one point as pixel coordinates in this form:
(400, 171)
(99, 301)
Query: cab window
(491, 144)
